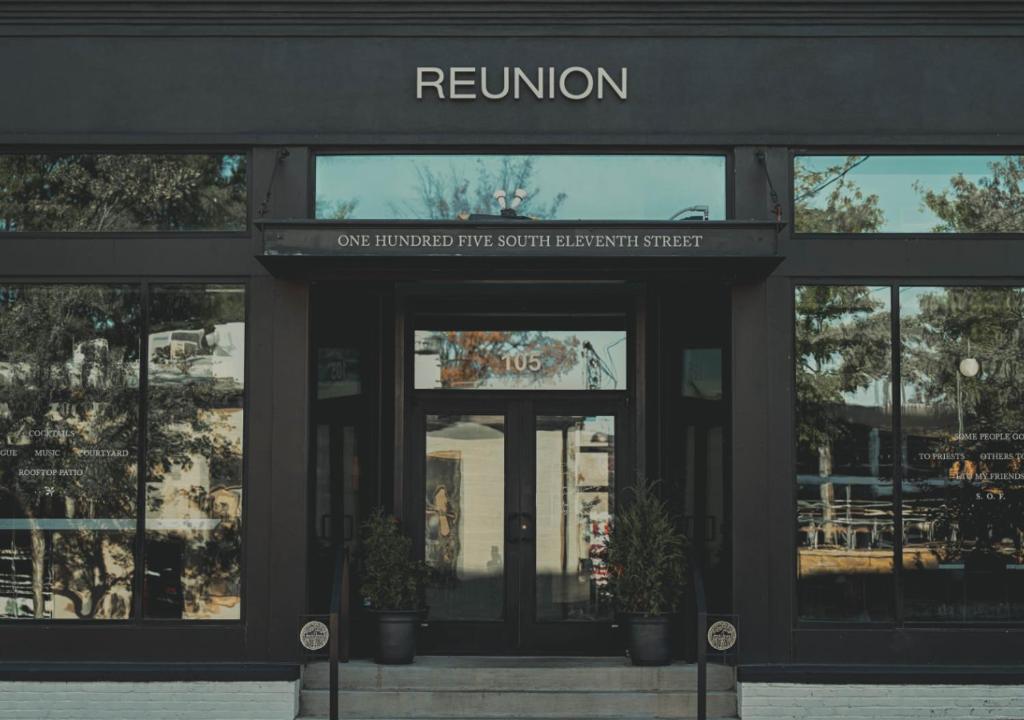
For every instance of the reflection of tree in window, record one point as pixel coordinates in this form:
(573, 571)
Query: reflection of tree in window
(994, 204)
(845, 525)
(118, 192)
(964, 500)
(828, 201)
(68, 428)
(450, 196)
(470, 357)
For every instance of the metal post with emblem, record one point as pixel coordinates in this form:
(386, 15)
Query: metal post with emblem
(723, 637)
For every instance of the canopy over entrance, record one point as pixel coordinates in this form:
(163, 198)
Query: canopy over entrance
(299, 247)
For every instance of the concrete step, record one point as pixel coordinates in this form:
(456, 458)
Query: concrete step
(437, 704)
(517, 673)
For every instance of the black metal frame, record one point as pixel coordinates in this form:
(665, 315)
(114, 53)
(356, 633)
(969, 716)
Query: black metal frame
(502, 306)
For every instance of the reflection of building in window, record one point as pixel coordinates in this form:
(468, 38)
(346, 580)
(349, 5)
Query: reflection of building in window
(196, 506)
(575, 484)
(465, 521)
(185, 355)
(195, 426)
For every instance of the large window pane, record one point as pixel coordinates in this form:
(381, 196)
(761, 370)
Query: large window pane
(844, 453)
(575, 490)
(568, 187)
(909, 193)
(464, 539)
(520, 360)
(69, 398)
(111, 192)
(196, 351)
(963, 424)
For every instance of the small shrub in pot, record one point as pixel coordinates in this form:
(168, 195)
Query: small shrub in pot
(391, 585)
(647, 573)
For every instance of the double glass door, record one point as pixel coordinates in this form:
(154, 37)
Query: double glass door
(515, 499)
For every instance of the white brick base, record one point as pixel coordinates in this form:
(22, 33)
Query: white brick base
(22, 700)
(789, 701)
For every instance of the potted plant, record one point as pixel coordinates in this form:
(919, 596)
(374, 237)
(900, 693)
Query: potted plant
(391, 586)
(647, 574)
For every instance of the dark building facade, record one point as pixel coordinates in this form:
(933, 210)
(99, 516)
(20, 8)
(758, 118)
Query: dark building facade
(256, 282)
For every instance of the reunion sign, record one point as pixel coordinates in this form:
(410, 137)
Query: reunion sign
(519, 239)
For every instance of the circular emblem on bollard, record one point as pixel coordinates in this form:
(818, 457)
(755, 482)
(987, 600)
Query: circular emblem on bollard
(314, 635)
(722, 635)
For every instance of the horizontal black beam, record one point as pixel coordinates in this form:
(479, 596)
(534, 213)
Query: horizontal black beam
(883, 674)
(147, 672)
(500, 240)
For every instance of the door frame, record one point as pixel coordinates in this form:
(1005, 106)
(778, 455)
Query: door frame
(581, 303)
(518, 631)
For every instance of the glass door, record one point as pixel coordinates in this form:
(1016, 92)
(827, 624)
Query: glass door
(570, 487)
(466, 461)
(517, 500)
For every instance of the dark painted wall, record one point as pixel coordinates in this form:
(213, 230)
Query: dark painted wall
(323, 90)
(752, 76)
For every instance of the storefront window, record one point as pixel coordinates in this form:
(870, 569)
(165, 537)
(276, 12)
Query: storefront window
(963, 428)
(909, 193)
(845, 521)
(961, 532)
(69, 408)
(117, 192)
(196, 382)
(558, 187)
(69, 451)
(520, 360)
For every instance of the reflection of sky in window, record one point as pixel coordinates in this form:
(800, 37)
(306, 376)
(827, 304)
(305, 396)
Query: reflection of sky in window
(606, 187)
(893, 177)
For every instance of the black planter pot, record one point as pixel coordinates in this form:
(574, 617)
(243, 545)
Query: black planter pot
(648, 638)
(396, 636)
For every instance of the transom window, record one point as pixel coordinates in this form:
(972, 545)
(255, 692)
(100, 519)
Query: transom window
(908, 193)
(520, 359)
(123, 192)
(565, 187)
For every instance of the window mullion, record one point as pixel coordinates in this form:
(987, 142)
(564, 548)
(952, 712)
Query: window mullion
(896, 351)
(142, 470)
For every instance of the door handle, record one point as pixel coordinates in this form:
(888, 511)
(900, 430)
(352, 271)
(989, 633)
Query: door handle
(520, 527)
(525, 527)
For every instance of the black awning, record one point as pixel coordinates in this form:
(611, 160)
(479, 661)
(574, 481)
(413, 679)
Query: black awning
(305, 248)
